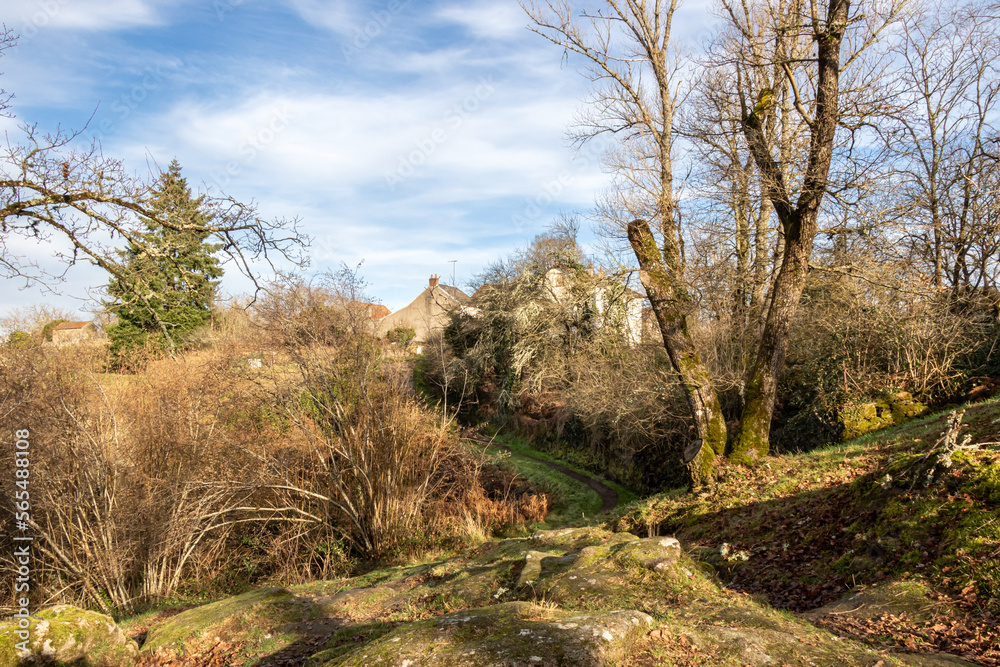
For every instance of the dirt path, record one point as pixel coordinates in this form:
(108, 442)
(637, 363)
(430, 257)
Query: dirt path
(609, 497)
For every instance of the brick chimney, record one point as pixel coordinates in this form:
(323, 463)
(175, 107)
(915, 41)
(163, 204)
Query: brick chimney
(434, 280)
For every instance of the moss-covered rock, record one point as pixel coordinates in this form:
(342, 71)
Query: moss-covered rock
(535, 561)
(908, 603)
(889, 410)
(653, 553)
(513, 633)
(193, 623)
(864, 418)
(63, 635)
(480, 586)
(572, 539)
(894, 598)
(590, 597)
(355, 601)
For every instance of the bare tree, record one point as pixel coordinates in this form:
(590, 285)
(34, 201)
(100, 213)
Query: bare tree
(627, 48)
(944, 140)
(87, 206)
(32, 319)
(783, 79)
(765, 36)
(732, 240)
(7, 40)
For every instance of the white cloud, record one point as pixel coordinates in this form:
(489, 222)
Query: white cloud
(476, 134)
(8, 125)
(31, 16)
(74, 292)
(338, 16)
(320, 143)
(489, 20)
(325, 157)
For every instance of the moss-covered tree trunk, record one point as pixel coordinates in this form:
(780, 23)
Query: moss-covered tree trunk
(753, 438)
(799, 224)
(672, 306)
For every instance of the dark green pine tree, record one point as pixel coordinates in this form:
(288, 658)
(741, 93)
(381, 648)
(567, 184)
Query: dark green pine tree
(170, 275)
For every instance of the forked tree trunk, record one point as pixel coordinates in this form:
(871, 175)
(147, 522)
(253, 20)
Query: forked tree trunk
(753, 438)
(672, 307)
(799, 225)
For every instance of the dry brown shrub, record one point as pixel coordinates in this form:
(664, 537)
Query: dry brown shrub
(203, 472)
(855, 340)
(125, 469)
(476, 497)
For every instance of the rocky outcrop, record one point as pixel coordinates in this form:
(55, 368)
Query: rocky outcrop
(269, 603)
(860, 418)
(582, 596)
(512, 633)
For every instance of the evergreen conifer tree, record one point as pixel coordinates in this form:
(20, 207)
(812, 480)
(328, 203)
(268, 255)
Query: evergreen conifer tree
(171, 274)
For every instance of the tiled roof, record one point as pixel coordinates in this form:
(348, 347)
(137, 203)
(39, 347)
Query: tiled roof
(375, 310)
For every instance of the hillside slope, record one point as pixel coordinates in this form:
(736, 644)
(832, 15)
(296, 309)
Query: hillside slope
(916, 503)
(882, 551)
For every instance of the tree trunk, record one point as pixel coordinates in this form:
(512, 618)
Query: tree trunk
(799, 225)
(672, 306)
(760, 277)
(744, 281)
(752, 440)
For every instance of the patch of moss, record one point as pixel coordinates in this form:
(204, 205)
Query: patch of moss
(514, 633)
(175, 631)
(69, 634)
(890, 410)
(864, 418)
(346, 640)
(983, 479)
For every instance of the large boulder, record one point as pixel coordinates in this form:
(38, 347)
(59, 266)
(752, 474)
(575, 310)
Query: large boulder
(65, 634)
(653, 553)
(860, 418)
(535, 561)
(512, 633)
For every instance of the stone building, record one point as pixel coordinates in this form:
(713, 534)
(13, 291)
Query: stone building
(73, 333)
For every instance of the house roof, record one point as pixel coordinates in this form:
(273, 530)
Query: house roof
(376, 310)
(68, 326)
(485, 287)
(453, 293)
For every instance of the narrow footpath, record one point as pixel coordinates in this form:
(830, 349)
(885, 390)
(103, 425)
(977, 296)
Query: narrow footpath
(609, 497)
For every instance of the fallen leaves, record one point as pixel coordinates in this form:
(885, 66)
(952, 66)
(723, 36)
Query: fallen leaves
(967, 637)
(214, 654)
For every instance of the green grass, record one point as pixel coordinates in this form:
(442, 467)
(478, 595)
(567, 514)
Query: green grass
(520, 445)
(572, 502)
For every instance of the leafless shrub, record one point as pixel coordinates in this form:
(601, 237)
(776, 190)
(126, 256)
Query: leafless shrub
(147, 484)
(479, 494)
(860, 340)
(117, 509)
(372, 461)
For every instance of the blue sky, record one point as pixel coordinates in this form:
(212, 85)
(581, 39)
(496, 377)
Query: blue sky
(404, 134)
